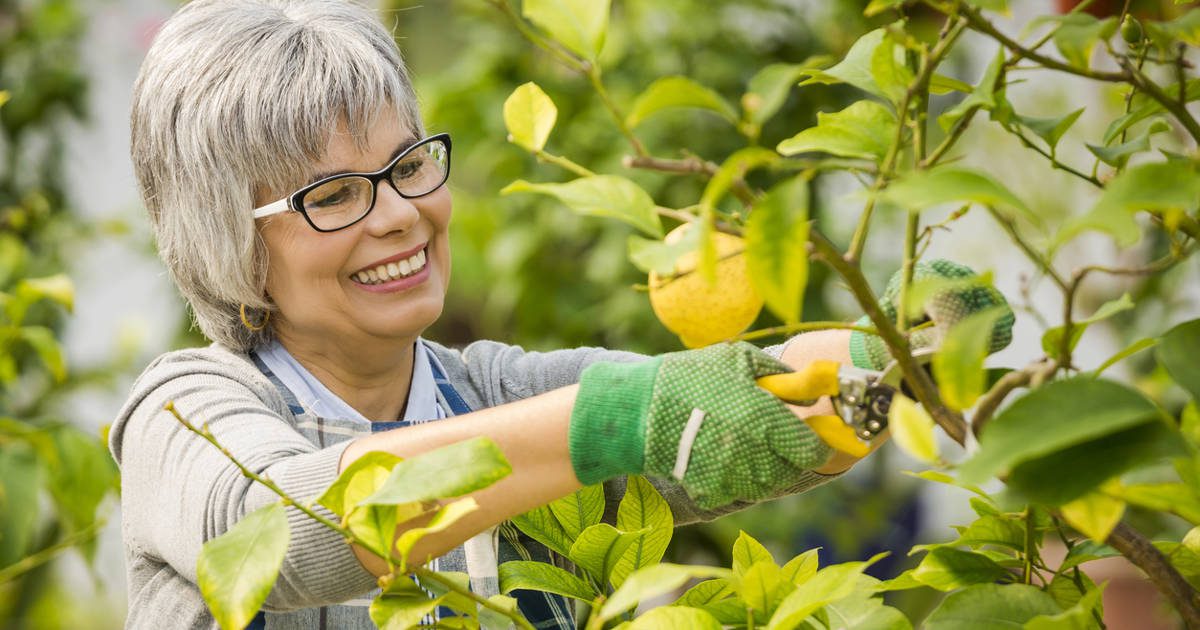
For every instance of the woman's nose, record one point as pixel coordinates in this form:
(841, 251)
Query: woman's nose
(392, 212)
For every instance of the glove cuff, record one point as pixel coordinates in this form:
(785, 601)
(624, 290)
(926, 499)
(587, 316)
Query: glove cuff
(607, 435)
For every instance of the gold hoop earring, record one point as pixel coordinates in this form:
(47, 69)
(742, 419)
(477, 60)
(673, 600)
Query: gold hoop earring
(253, 327)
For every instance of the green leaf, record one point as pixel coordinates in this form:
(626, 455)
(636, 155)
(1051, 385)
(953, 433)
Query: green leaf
(1175, 498)
(1078, 617)
(889, 70)
(942, 478)
(855, 67)
(994, 529)
(450, 471)
(947, 569)
(44, 343)
(580, 25)
(864, 130)
(748, 552)
(81, 476)
(1078, 35)
(600, 547)
(601, 196)
(1052, 339)
(1094, 514)
(376, 525)
(1118, 156)
(958, 363)
(659, 256)
(769, 87)
(999, 6)
(446, 516)
(991, 607)
(800, 569)
(829, 585)
(541, 525)
(1161, 186)
(1086, 408)
(675, 618)
(57, 288)
(912, 429)
(983, 96)
(1129, 351)
(776, 247)
(492, 620)
(358, 481)
(678, 92)
(1144, 107)
(706, 593)
(735, 166)
(1177, 353)
(651, 582)
(642, 508)
(529, 116)
(402, 611)
(1050, 130)
(580, 509)
(532, 575)
(1087, 551)
(20, 478)
(762, 587)
(237, 569)
(1083, 467)
(951, 184)
(861, 611)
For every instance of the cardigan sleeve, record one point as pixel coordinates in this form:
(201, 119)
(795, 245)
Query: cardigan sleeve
(178, 491)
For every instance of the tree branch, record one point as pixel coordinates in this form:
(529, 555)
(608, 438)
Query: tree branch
(1134, 546)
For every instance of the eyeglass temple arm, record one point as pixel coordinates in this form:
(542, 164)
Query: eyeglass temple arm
(274, 207)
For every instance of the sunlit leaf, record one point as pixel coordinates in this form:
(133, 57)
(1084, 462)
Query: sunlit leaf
(236, 570)
(919, 190)
(660, 256)
(358, 481)
(580, 509)
(865, 130)
(1117, 156)
(600, 547)
(449, 471)
(747, 552)
(855, 67)
(706, 593)
(769, 87)
(1128, 351)
(1094, 515)
(442, 519)
(983, 96)
(1050, 130)
(675, 618)
(861, 611)
(1164, 186)
(829, 585)
(800, 569)
(674, 93)
(762, 587)
(580, 25)
(1052, 339)
(889, 70)
(958, 363)
(401, 611)
(529, 116)
(642, 509)
(607, 196)
(57, 288)
(653, 581)
(541, 525)
(1174, 497)
(526, 574)
(1178, 352)
(776, 247)
(912, 429)
(1080, 616)
(733, 168)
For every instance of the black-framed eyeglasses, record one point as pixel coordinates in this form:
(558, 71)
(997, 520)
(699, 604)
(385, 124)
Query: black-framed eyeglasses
(341, 200)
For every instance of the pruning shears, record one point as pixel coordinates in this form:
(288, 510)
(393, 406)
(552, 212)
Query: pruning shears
(861, 399)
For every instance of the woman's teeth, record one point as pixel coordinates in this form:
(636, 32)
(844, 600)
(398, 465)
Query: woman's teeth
(392, 270)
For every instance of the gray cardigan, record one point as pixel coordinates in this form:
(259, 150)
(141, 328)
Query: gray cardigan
(178, 491)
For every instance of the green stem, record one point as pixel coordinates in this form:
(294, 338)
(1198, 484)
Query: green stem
(536, 38)
(348, 535)
(563, 162)
(42, 556)
(792, 329)
(593, 73)
(1027, 573)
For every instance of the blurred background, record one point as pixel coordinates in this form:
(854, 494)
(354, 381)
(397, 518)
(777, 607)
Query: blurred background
(527, 271)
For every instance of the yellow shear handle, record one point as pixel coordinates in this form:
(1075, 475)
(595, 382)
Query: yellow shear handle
(803, 387)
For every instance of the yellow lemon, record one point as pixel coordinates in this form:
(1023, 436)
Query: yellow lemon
(701, 313)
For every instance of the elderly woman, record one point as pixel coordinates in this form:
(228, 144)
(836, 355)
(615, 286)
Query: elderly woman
(301, 208)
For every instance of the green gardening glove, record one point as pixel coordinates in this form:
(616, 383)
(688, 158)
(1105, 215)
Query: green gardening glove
(944, 309)
(695, 416)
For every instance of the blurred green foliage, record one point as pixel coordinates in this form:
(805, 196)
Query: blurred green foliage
(53, 476)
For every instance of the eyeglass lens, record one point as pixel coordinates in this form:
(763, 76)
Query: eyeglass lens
(342, 201)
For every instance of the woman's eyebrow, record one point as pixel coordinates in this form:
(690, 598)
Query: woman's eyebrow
(400, 148)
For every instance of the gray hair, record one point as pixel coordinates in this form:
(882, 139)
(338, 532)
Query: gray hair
(239, 96)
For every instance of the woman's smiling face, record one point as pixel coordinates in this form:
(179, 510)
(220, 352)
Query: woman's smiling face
(384, 277)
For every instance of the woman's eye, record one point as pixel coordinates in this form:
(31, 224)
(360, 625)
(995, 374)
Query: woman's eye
(408, 168)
